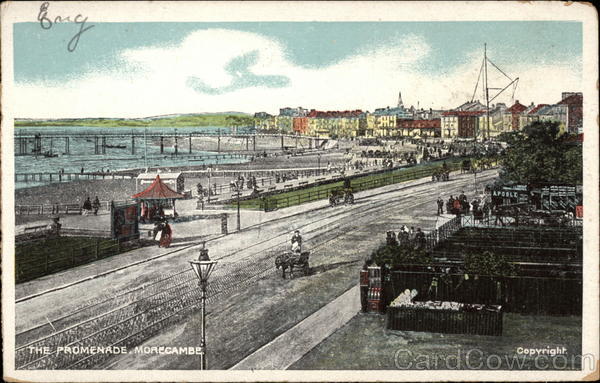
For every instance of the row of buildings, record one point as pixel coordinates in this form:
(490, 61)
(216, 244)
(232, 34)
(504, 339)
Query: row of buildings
(471, 119)
(467, 121)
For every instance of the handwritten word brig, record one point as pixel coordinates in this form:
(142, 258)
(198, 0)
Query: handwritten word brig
(47, 22)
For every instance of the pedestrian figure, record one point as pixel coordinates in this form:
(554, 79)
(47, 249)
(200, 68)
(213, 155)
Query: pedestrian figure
(201, 200)
(412, 235)
(96, 205)
(440, 206)
(157, 231)
(450, 205)
(297, 242)
(498, 212)
(419, 239)
(81, 170)
(486, 210)
(402, 235)
(391, 238)
(87, 206)
(55, 227)
(166, 235)
(456, 207)
(432, 291)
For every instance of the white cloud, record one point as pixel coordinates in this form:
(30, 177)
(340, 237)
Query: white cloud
(152, 81)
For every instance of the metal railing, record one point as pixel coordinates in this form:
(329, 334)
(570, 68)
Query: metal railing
(59, 208)
(518, 294)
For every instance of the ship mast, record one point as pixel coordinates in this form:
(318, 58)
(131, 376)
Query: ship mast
(483, 75)
(487, 92)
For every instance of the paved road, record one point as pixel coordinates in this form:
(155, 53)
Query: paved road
(332, 232)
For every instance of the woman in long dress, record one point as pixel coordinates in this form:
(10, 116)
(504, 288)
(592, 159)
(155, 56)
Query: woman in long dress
(166, 236)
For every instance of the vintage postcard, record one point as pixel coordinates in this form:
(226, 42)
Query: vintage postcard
(299, 191)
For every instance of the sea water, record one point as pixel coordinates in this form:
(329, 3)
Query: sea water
(82, 155)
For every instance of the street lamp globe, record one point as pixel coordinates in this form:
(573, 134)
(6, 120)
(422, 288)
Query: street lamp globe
(203, 266)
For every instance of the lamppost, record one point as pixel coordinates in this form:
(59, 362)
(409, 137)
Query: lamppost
(475, 179)
(209, 185)
(176, 143)
(203, 267)
(319, 163)
(238, 192)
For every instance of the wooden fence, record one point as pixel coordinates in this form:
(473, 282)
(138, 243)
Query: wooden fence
(56, 257)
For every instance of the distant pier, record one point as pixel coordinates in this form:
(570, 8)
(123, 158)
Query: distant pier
(36, 144)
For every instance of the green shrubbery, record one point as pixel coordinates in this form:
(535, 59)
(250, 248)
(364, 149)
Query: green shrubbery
(484, 263)
(395, 256)
(540, 153)
(488, 263)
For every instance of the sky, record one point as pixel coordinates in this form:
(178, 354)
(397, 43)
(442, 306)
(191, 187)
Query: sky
(151, 68)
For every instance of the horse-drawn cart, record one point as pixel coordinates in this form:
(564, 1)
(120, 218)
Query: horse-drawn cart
(290, 260)
(339, 196)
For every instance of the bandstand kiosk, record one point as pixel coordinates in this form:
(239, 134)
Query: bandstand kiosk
(155, 199)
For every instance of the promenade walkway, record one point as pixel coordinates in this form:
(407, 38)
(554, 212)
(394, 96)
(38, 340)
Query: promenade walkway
(290, 346)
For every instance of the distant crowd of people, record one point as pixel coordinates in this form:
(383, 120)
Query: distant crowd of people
(90, 206)
(460, 205)
(407, 238)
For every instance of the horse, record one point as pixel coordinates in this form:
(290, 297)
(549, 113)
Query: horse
(334, 198)
(290, 260)
(465, 166)
(348, 197)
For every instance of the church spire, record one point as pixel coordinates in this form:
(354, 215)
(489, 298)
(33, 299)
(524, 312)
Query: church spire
(400, 103)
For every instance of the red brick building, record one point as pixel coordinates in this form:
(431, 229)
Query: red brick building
(574, 103)
(300, 125)
(515, 111)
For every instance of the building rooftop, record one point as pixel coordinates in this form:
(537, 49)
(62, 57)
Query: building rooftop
(573, 99)
(517, 107)
(334, 114)
(471, 106)
(536, 108)
(462, 113)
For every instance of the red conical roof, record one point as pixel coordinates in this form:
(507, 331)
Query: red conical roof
(158, 190)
